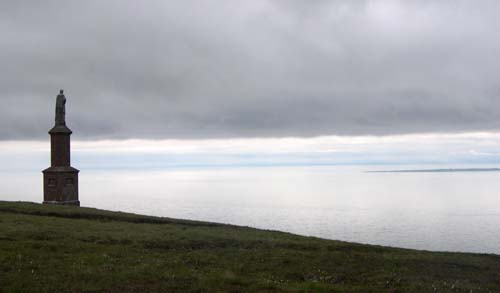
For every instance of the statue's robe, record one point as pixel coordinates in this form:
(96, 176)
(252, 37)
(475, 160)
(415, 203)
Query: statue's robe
(61, 110)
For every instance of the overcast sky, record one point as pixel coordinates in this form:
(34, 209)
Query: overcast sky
(229, 68)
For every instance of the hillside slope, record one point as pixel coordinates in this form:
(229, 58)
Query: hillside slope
(61, 248)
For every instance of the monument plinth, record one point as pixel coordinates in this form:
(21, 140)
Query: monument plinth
(60, 180)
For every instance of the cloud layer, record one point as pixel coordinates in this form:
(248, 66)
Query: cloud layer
(216, 69)
(451, 150)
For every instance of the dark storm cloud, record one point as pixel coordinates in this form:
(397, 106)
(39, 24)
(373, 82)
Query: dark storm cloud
(199, 69)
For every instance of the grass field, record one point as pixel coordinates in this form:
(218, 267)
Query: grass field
(59, 248)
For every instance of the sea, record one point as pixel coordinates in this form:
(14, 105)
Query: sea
(438, 210)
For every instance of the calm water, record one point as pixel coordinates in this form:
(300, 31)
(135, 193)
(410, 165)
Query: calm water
(432, 211)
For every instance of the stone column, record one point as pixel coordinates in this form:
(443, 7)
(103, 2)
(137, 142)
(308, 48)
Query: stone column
(60, 180)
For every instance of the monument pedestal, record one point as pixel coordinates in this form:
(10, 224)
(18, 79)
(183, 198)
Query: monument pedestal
(60, 186)
(60, 180)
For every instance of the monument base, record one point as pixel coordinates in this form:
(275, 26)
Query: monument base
(60, 186)
(69, 203)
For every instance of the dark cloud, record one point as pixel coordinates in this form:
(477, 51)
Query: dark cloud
(200, 69)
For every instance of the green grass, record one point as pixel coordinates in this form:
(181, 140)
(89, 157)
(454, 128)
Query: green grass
(46, 248)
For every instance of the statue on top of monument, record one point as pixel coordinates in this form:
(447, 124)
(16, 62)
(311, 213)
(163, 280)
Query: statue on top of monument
(61, 109)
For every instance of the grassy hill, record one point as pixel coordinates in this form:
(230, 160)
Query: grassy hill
(61, 248)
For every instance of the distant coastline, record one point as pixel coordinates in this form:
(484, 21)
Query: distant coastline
(438, 170)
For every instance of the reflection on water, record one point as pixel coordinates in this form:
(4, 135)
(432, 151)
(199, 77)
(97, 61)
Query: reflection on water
(433, 211)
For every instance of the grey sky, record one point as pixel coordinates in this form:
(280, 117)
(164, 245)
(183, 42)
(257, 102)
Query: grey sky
(228, 68)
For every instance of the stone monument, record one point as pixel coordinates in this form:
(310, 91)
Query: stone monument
(60, 180)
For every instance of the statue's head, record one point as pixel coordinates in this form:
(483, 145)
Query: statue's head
(61, 92)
